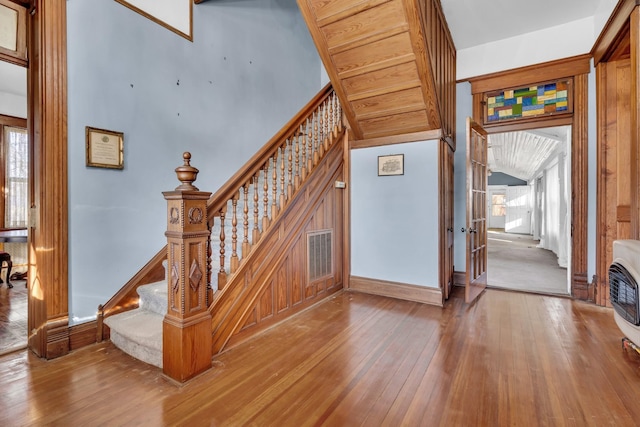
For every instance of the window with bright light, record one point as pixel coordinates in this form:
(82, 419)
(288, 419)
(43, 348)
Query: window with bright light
(14, 180)
(498, 205)
(16, 177)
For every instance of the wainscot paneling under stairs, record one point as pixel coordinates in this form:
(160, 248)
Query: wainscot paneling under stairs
(275, 248)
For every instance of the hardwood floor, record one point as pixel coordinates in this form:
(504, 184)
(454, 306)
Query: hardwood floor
(356, 359)
(13, 317)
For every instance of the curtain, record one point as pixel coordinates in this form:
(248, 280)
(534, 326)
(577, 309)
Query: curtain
(16, 192)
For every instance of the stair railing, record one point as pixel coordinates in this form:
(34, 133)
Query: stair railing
(244, 208)
(250, 200)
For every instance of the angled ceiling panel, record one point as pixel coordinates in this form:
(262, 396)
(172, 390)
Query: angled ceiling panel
(376, 56)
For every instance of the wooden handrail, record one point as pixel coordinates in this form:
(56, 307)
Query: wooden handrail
(126, 297)
(274, 173)
(225, 193)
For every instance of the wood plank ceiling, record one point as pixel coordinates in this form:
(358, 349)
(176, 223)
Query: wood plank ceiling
(376, 56)
(524, 154)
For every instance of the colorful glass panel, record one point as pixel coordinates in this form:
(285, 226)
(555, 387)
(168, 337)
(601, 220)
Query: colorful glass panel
(531, 101)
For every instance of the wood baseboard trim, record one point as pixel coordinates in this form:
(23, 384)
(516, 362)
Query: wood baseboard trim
(459, 278)
(403, 291)
(82, 335)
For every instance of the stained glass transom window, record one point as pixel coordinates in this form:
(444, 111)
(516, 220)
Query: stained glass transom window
(530, 101)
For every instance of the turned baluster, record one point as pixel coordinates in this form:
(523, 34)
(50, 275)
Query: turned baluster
(256, 210)
(332, 127)
(315, 139)
(339, 113)
(321, 131)
(209, 266)
(289, 144)
(296, 179)
(310, 145)
(246, 247)
(222, 274)
(233, 264)
(265, 198)
(274, 188)
(283, 198)
(303, 135)
(327, 135)
(336, 115)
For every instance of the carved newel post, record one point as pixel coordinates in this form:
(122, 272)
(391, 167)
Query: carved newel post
(187, 325)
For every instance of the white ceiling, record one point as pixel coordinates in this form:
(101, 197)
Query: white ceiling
(476, 22)
(523, 154)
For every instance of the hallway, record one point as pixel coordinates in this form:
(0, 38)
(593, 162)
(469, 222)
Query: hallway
(515, 263)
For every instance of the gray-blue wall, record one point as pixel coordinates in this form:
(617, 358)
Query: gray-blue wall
(394, 219)
(251, 67)
(499, 178)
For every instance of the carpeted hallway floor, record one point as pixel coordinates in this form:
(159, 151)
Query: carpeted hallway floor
(514, 262)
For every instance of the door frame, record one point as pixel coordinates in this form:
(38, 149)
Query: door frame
(48, 279)
(577, 68)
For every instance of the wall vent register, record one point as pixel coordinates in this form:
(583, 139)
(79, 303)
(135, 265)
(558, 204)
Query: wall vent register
(319, 254)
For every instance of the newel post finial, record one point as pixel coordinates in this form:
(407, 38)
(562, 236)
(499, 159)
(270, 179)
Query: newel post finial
(186, 174)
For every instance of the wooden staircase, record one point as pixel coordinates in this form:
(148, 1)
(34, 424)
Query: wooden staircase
(391, 62)
(239, 262)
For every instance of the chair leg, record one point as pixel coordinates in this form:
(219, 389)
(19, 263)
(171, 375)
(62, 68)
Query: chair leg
(9, 264)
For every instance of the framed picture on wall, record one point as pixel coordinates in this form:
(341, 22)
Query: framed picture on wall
(391, 165)
(105, 148)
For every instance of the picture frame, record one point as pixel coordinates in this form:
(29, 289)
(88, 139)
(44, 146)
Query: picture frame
(163, 13)
(391, 165)
(104, 148)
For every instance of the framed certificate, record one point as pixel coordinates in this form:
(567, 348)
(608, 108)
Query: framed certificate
(105, 148)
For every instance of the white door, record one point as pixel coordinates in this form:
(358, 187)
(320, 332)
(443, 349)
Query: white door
(518, 210)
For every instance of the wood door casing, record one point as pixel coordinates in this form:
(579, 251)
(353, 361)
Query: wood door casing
(476, 276)
(446, 218)
(578, 67)
(614, 164)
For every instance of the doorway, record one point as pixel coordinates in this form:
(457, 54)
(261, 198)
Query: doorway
(528, 208)
(14, 170)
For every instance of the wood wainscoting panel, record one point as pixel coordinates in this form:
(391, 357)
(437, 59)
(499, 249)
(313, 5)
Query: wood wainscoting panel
(273, 284)
(397, 290)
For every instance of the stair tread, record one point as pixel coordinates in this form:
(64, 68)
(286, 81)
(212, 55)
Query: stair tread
(153, 297)
(139, 325)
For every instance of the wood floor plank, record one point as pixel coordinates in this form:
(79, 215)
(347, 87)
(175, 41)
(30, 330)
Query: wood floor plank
(357, 359)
